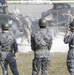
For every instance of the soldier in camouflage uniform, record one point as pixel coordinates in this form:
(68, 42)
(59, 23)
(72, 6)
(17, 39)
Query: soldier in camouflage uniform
(41, 42)
(69, 39)
(8, 49)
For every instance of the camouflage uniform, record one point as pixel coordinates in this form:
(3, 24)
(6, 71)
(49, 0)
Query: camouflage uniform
(41, 42)
(8, 47)
(69, 38)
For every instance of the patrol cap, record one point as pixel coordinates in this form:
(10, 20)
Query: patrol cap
(42, 22)
(5, 26)
(71, 25)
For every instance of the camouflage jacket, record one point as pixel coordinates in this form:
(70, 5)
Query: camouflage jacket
(69, 39)
(41, 42)
(8, 42)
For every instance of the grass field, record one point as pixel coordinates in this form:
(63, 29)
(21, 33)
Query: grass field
(57, 64)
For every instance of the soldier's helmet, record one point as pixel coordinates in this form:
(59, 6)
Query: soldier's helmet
(71, 25)
(5, 26)
(42, 22)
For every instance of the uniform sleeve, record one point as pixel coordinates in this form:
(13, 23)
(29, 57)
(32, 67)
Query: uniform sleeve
(50, 43)
(14, 45)
(0, 46)
(32, 43)
(68, 38)
(0, 49)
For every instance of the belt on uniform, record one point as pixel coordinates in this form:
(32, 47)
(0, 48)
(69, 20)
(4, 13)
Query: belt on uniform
(42, 48)
(5, 50)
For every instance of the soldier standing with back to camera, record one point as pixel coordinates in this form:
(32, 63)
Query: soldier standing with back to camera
(69, 39)
(8, 50)
(41, 42)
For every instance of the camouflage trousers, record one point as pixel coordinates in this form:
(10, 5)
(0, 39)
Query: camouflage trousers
(40, 62)
(70, 62)
(12, 63)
